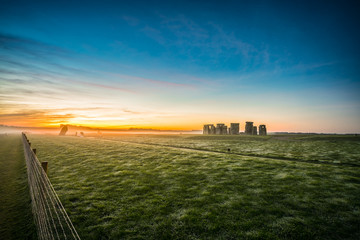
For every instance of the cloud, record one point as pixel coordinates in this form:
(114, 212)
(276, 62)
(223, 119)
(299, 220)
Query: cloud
(184, 27)
(198, 39)
(38, 57)
(132, 112)
(98, 85)
(21, 115)
(310, 66)
(38, 63)
(157, 82)
(14, 115)
(26, 47)
(34, 117)
(210, 38)
(8, 41)
(154, 34)
(131, 20)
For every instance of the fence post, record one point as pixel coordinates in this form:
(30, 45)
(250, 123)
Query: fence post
(44, 165)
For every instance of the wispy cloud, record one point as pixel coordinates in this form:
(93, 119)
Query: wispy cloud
(34, 118)
(29, 58)
(31, 47)
(98, 85)
(36, 57)
(17, 114)
(131, 20)
(201, 41)
(210, 38)
(132, 112)
(153, 81)
(154, 34)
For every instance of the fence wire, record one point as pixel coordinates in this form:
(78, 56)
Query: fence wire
(51, 219)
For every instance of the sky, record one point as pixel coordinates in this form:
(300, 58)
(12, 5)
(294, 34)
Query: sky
(292, 65)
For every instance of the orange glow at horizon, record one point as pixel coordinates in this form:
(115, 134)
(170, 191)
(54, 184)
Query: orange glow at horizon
(166, 108)
(181, 123)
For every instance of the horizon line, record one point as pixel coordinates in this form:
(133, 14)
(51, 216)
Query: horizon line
(162, 130)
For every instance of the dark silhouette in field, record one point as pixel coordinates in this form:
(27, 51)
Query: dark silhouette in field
(63, 130)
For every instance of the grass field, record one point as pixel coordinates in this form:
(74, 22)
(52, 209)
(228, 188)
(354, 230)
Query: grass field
(191, 187)
(16, 220)
(341, 149)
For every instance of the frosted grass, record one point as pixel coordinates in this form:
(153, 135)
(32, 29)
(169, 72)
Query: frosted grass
(116, 189)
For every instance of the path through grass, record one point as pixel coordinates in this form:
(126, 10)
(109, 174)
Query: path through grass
(16, 220)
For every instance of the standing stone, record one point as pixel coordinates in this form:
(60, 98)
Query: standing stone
(249, 128)
(234, 128)
(212, 129)
(219, 128)
(63, 130)
(224, 130)
(206, 129)
(262, 130)
(254, 132)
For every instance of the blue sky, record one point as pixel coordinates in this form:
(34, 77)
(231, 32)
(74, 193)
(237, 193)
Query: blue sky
(293, 65)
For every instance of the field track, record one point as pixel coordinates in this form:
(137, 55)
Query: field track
(16, 221)
(242, 154)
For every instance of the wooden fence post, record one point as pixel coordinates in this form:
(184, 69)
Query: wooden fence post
(44, 165)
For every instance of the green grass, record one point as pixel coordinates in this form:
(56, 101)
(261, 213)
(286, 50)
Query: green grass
(116, 189)
(16, 220)
(323, 148)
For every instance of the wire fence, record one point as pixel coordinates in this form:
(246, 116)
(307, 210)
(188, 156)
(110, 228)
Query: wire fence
(51, 219)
